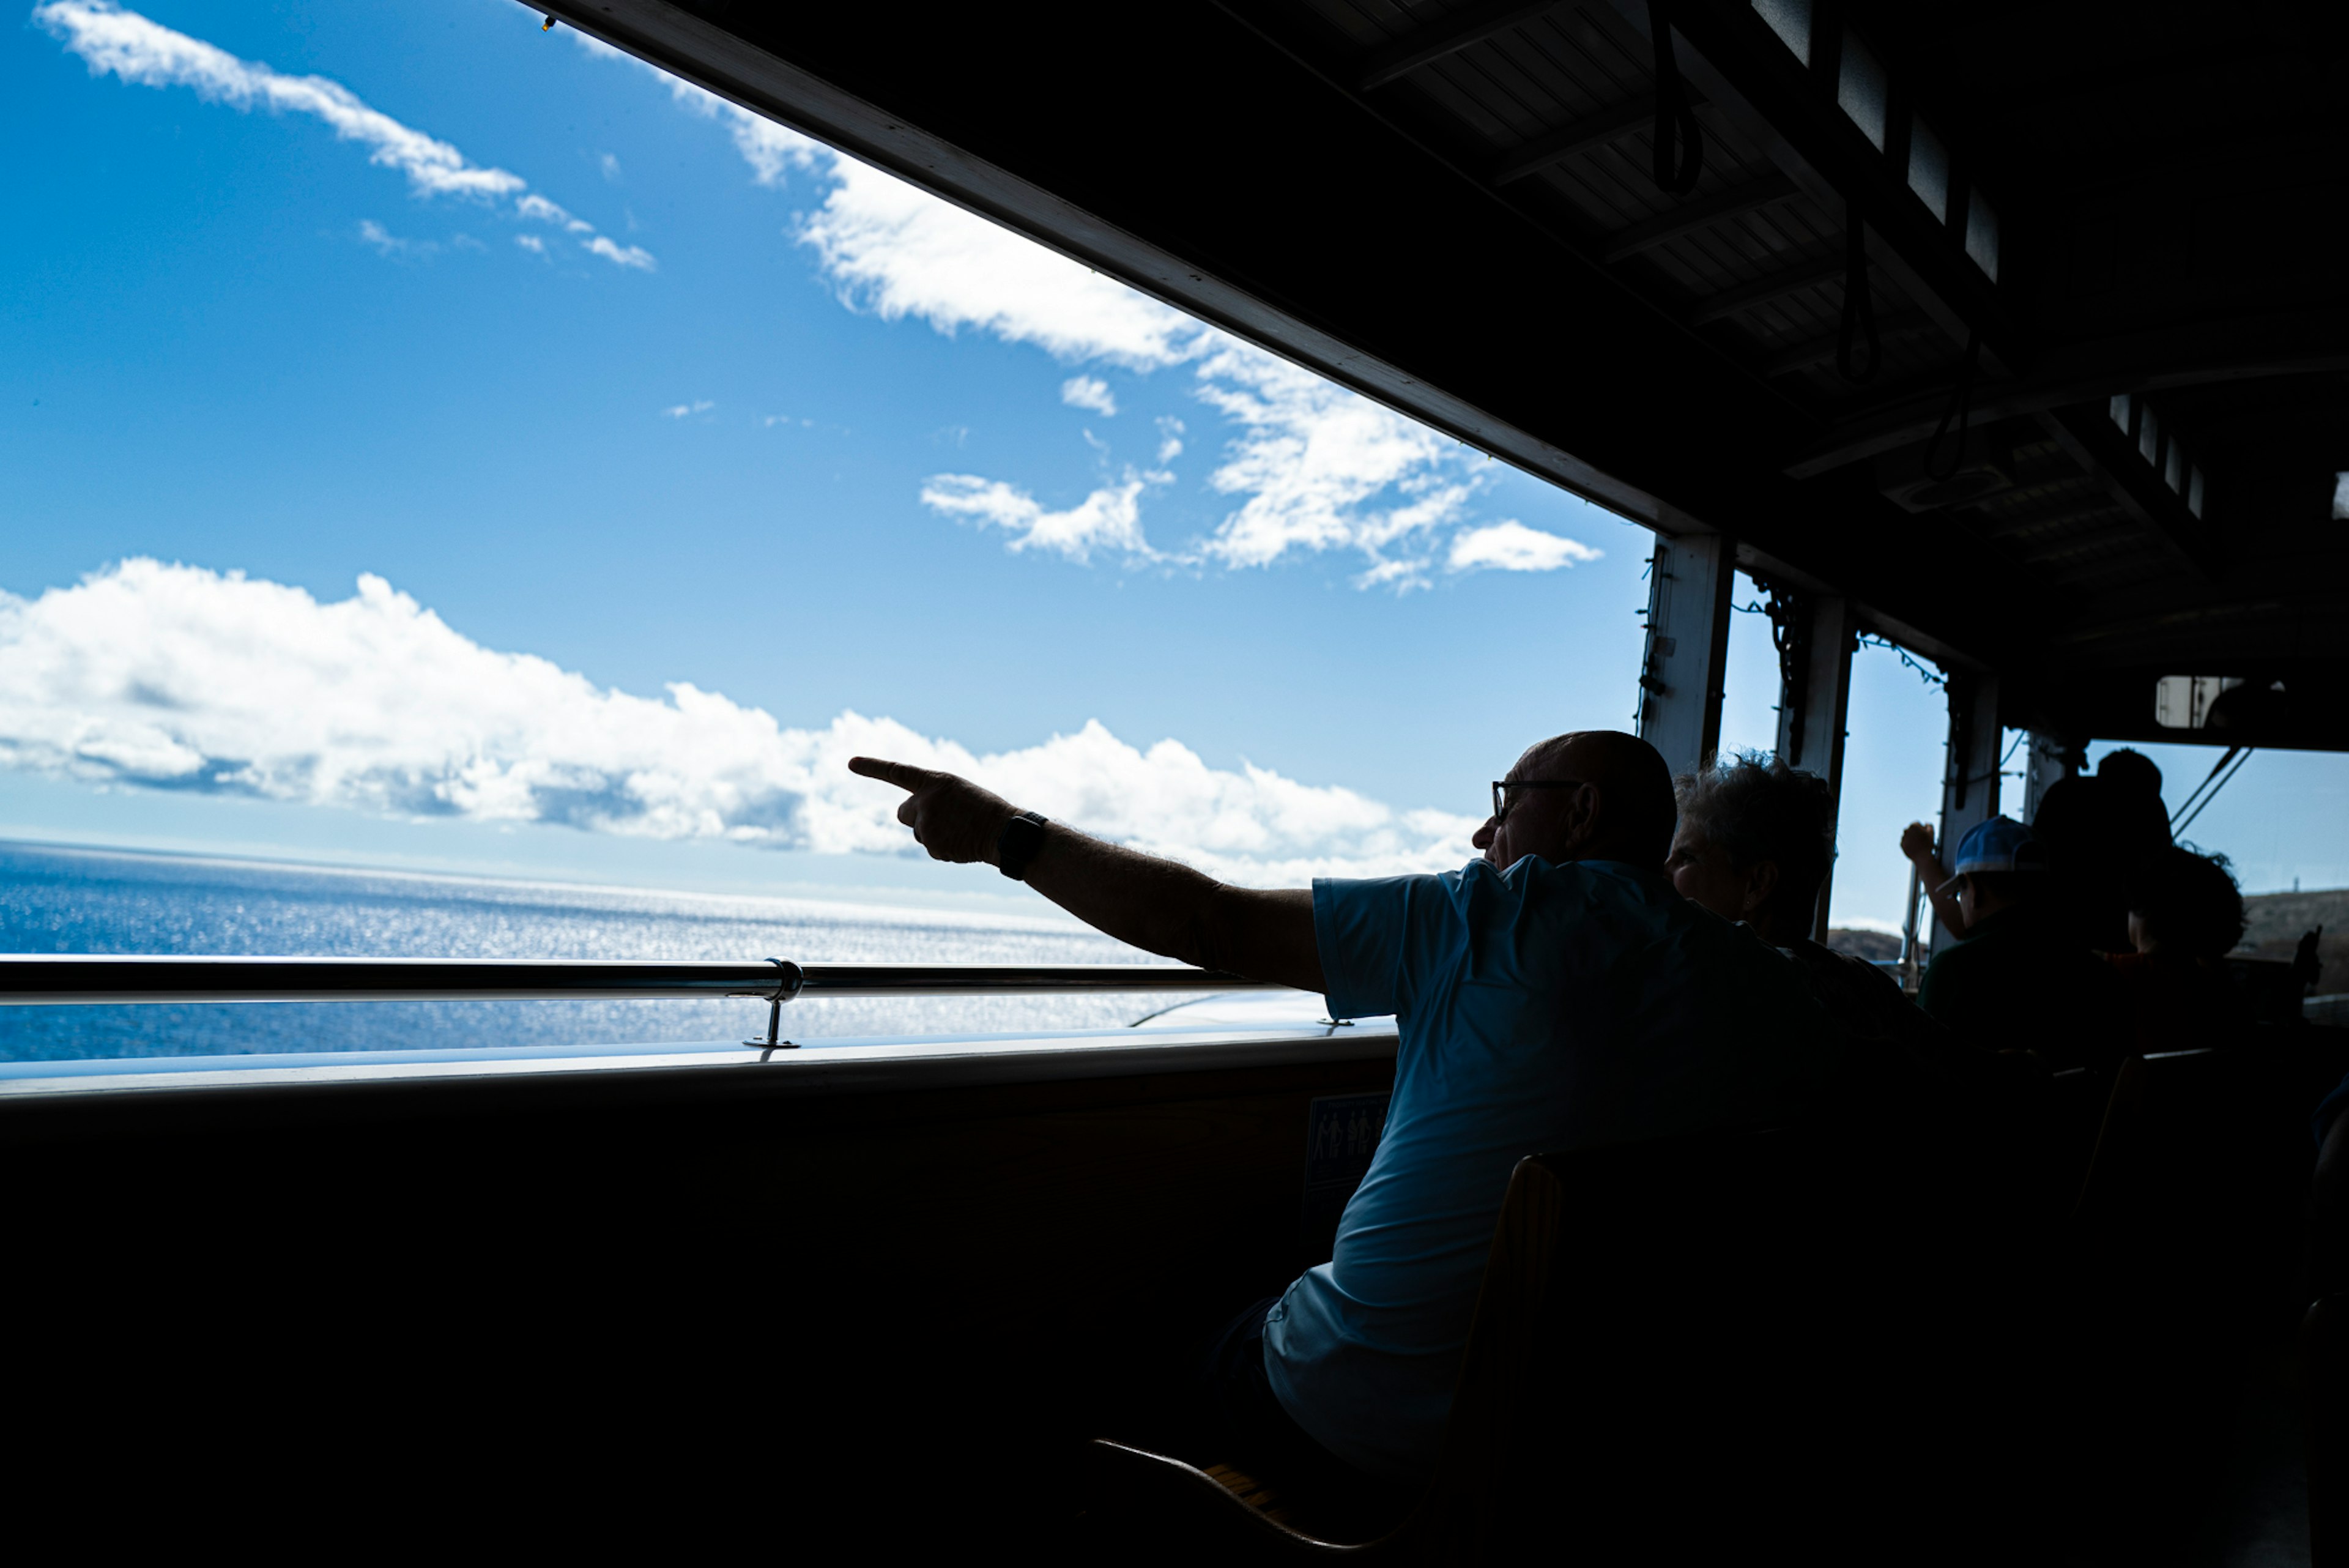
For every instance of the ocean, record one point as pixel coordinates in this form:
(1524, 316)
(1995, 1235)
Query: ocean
(63, 900)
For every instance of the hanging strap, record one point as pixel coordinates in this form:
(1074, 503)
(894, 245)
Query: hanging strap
(1962, 408)
(1679, 141)
(1858, 304)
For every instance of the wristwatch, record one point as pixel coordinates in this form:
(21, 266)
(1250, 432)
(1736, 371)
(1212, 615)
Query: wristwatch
(1021, 838)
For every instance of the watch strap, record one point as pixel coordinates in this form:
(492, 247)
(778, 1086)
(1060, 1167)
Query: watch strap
(1018, 844)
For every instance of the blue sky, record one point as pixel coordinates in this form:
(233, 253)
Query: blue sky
(609, 389)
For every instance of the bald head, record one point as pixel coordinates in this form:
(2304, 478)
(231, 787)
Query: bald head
(1625, 812)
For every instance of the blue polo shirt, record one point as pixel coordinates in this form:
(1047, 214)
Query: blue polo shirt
(1542, 1008)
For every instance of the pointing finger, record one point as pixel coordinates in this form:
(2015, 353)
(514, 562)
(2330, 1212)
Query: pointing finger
(905, 775)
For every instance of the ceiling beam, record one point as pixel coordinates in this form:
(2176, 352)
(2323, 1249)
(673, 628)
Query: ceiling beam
(2238, 348)
(1688, 217)
(1424, 45)
(2096, 445)
(1820, 350)
(1634, 113)
(1788, 110)
(1765, 291)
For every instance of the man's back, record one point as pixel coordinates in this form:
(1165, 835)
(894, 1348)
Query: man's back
(2023, 979)
(1543, 1008)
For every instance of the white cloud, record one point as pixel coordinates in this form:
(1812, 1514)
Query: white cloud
(1312, 459)
(138, 50)
(173, 676)
(110, 39)
(1312, 466)
(388, 243)
(1512, 546)
(635, 256)
(681, 410)
(609, 165)
(899, 251)
(1108, 519)
(1088, 392)
(540, 210)
(532, 243)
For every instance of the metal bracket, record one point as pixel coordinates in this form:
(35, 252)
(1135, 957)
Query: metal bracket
(786, 986)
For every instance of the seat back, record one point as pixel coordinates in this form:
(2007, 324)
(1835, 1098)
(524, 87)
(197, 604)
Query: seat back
(1718, 1346)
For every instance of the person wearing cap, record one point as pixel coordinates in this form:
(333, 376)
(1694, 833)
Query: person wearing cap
(2020, 977)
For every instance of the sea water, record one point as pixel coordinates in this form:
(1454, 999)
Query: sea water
(59, 901)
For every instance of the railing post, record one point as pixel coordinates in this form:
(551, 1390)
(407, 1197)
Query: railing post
(1683, 671)
(1813, 706)
(1970, 777)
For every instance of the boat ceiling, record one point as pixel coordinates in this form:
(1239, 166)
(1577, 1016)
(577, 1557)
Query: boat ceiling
(2101, 241)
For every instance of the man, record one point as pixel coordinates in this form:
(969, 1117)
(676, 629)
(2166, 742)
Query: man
(2101, 834)
(1754, 844)
(2022, 977)
(1555, 993)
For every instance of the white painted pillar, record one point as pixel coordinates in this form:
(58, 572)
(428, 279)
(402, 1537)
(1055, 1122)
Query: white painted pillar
(1814, 705)
(1970, 777)
(2047, 760)
(1685, 669)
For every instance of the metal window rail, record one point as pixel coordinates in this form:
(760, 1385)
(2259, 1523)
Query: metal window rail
(87, 980)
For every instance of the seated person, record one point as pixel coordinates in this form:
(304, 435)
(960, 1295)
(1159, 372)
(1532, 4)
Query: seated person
(1555, 993)
(2100, 834)
(2188, 915)
(2021, 978)
(1754, 843)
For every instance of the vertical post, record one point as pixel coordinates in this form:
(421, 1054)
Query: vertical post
(2048, 760)
(1686, 666)
(1970, 780)
(1815, 703)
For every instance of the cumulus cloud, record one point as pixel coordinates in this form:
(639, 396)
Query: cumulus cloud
(1512, 546)
(1088, 392)
(532, 243)
(177, 676)
(124, 44)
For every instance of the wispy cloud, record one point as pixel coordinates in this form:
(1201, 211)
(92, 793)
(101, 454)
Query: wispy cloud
(1088, 392)
(1311, 466)
(538, 209)
(635, 256)
(389, 243)
(177, 676)
(1512, 546)
(138, 50)
(113, 41)
(532, 243)
(1110, 519)
(684, 411)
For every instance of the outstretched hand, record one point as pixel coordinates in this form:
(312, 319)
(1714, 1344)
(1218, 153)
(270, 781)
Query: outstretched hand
(951, 817)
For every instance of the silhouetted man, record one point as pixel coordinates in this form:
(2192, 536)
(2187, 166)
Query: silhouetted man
(1555, 993)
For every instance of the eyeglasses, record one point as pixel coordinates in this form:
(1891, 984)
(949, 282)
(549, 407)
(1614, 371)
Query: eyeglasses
(1504, 792)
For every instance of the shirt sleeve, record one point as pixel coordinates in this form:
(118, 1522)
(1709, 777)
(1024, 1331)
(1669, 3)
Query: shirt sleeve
(1369, 933)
